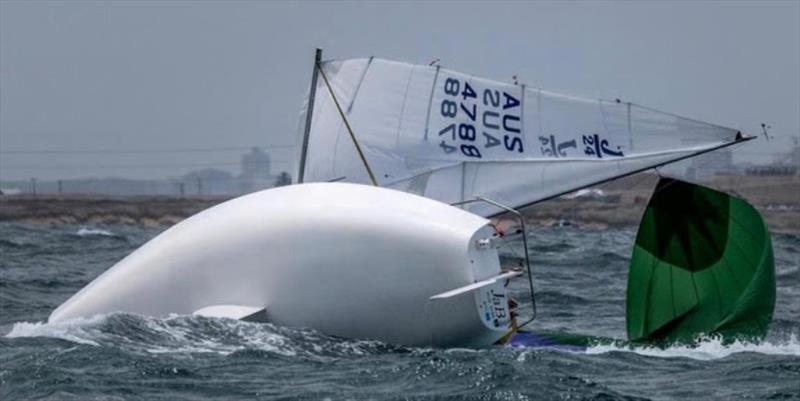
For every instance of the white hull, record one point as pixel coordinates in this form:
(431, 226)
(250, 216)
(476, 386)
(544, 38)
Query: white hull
(349, 260)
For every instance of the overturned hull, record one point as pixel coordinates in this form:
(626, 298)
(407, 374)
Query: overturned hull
(348, 260)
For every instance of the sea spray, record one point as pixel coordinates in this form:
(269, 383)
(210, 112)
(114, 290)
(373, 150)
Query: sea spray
(706, 349)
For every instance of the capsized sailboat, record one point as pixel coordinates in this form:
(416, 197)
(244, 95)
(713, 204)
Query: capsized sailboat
(403, 250)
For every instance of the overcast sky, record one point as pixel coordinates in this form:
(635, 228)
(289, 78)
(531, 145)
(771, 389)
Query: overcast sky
(224, 76)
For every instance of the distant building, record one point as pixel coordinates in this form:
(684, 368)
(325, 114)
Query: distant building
(256, 164)
(209, 181)
(791, 159)
(256, 171)
(771, 170)
(784, 165)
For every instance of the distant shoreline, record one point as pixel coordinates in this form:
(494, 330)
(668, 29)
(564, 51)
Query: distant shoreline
(102, 209)
(777, 200)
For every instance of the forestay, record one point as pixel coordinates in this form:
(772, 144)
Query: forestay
(450, 136)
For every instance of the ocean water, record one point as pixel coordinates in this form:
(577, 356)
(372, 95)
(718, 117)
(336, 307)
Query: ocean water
(580, 277)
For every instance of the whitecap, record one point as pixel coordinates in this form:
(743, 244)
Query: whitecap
(89, 232)
(171, 335)
(80, 330)
(708, 349)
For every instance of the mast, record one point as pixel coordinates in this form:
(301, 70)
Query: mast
(309, 115)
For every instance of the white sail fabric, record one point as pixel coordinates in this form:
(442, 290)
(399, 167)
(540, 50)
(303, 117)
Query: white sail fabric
(451, 136)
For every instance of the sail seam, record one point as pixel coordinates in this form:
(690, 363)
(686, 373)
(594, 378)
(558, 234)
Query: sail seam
(523, 134)
(463, 181)
(539, 110)
(403, 107)
(430, 102)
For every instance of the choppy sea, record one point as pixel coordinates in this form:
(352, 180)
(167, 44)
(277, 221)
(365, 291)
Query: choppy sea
(580, 277)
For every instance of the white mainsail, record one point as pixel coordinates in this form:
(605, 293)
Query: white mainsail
(451, 136)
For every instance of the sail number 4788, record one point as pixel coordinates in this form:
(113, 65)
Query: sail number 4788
(481, 124)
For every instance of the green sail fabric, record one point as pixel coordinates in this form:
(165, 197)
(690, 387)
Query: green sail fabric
(702, 265)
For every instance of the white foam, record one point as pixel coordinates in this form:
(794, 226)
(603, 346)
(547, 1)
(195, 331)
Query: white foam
(177, 337)
(708, 349)
(78, 330)
(88, 232)
(183, 338)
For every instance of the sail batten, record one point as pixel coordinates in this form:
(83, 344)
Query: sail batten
(452, 136)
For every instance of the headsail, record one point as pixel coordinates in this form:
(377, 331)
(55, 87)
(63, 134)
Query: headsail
(451, 136)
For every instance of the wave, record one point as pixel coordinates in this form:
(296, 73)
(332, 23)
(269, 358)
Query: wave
(196, 335)
(707, 349)
(11, 243)
(75, 330)
(89, 232)
(181, 334)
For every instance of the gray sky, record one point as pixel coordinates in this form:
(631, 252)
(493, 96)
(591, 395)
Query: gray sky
(145, 75)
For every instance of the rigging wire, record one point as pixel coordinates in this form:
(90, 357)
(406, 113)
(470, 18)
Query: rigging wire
(347, 125)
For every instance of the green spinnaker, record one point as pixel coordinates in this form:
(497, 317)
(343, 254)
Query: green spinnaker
(702, 265)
